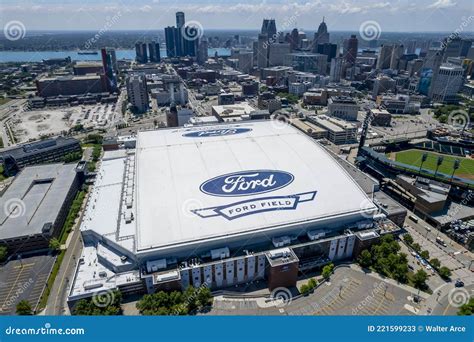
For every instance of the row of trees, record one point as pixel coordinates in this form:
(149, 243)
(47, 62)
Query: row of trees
(110, 305)
(310, 286)
(443, 271)
(175, 303)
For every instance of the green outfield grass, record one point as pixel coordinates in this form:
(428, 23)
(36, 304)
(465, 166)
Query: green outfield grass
(413, 157)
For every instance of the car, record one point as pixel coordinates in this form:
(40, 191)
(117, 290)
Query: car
(428, 228)
(459, 283)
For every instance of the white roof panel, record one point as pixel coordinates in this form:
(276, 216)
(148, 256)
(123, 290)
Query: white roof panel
(180, 191)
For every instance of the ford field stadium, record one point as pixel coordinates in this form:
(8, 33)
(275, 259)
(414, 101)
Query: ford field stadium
(219, 205)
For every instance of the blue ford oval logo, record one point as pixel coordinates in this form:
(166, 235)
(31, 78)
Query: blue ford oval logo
(216, 132)
(246, 183)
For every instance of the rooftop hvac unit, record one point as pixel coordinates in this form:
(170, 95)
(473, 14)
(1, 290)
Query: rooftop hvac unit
(281, 241)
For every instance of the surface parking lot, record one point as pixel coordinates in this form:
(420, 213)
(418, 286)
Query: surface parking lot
(23, 279)
(349, 292)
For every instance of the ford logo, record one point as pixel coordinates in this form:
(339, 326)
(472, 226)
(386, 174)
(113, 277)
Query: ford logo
(246, 183)
(216, 132)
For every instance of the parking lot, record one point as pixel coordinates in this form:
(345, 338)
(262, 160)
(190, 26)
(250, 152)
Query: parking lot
(23, 279)
(349, 292)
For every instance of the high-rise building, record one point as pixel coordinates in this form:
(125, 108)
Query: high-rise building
(327, 49)
(411, 46)
(171, 36)
(202, 54)
(141, 52)
(180, 41)
(385, 56)
(446, 83)
(397, 53)
(154, 51)
(137, 92)
(277, 53)
(456, 47)
(321, 36)
(269, 28)
(433, 59)
(293, 39)
(351, 50)
(335, 73)
(108, 67)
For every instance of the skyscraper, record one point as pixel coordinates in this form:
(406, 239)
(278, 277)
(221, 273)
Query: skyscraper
(154, 51)
(108, 57)
(397, 53)
(180, 48)
(269, 28)
(294, 39)
(385, 57)
(351, 49)
(171, 40)
(335, 73)
(202, 54)
(141, 52)
(137, 92)
(321, 36)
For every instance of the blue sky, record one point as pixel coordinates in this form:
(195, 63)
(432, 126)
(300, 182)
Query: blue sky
(392, 16)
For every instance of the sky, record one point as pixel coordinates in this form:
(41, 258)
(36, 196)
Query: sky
(340, 15)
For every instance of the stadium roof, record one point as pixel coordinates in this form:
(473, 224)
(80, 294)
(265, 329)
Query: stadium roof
(211, 183)
(34, 199)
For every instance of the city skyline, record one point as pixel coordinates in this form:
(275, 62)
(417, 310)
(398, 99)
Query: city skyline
(341, 15)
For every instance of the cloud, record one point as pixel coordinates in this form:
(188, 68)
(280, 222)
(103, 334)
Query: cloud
(439, 4)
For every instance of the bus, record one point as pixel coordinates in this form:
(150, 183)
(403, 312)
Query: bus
(413, 218)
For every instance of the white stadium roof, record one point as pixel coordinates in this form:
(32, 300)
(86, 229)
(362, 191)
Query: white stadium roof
(210, 183)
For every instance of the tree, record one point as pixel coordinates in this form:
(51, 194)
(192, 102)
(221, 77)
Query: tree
(23, 308)
(365, 258)
(416, 246)
(435, 263)
(204, 297)
(419, 279)
(467, 309)
(54, 244)
(327, 271)
(444, 272)
(304, 289)
(408, 239)
(425, 254)
(312, 283)
(106, 304)
(3, 253)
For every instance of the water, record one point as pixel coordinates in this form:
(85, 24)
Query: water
(38, 56)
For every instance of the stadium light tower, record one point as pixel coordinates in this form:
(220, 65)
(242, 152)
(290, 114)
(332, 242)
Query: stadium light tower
(438, 163)
(456, 165)
(424, 156)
